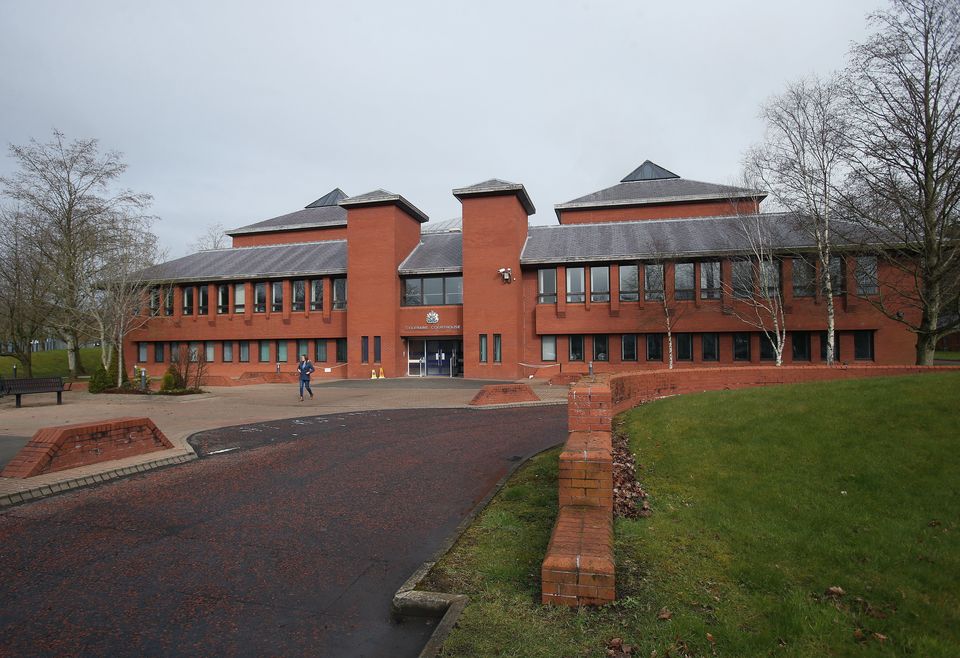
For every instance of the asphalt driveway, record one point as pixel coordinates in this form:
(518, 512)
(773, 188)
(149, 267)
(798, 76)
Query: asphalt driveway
(291, 542)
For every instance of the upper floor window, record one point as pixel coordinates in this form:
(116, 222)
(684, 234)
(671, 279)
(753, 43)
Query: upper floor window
(154, 301)
(188, 300)
(223, 299)
(203, 299)
(653, 282)
(316, 295)
(741, 273)
(769, 272)
(547, 286)
(239, 297)
(866, 274)
(432, 291)
(299, 300)
(340, 296)
(836, 275)
(276, 296)
(575, 289)
(168, 301)
(260, 297)
(629, 283)
(710, 279)
(600, 284)
(683, 281)
(804, 278)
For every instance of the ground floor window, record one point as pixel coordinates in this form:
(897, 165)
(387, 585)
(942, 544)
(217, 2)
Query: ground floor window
(863, 345)
(264, 353)
(376, 349)
(684, 347)
(342, 348)
(800, 343)
(654, 347)
(302, 349)
(548, 348)
(601, 351)
(741, 347)
(194, 351)
(227, 351)
(244, 346)
(497, 348)
(142, 352)
(320, 351)
(158, 352)
(710, 347)
(174, 352)
(483, 348)
(364, 349)
(767, 352)
(628, 347)
(823, 346)
(208, 351)
(281, 351)
(576, 348)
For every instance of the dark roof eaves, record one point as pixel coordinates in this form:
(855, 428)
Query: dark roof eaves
(251, 277)
(284, 227)
(627, 203)
(429, 270)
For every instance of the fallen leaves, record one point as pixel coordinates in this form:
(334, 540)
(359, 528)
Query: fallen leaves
(664, 614)
(629, 498)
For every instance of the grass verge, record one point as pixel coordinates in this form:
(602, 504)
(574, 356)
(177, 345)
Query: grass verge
(52, 363)
(763, 499)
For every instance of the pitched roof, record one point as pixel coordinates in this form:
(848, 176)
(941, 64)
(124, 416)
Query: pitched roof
(273, 261)
(324, 212)
(649, 184)
(437, 253)
(383, 197)
(495, 186)
(656, 239)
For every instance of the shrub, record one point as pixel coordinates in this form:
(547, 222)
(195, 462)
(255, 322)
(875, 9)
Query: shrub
(172, 380)
(106, 378)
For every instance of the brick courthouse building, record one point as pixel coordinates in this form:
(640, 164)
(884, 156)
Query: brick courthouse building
(363, 283)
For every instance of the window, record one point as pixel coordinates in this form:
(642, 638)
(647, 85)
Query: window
(547, 286)
(804, 277)
(836, 275)
(340, 295)
(863, 345)
(168, 301)
(432, 291)
(575, 291)
(767, 352)
(141, 352)
(453, 290)
(364, 349)
(276, 297)
(158, 352)
(264, 353)
(866, 274)
(710, 279)
(683, 281)
(629, 283)
(628, 347)
(710, 347)
(244, 346)
(320, 350)
(203, 300)
(497, 348)
(342, 348)
(412, 292)
(823, 346)
(302, 349)
(188, 300)
(174, 352)
(299, 300)
(601, 350)
(316, 295)
(281, 351)
(483, 348)
(194, 352)
(376, 349)
(742, 275)
(227, 351)
(208, 351)
(741, 347)
(800, 344)
(259, 297)
(239, 297)
(576, 348)
(769, 272)
(653, 282)
(223, 299)
(654, 347)
(154, 302)
(548, 348)
(600, 284)
(684, 347)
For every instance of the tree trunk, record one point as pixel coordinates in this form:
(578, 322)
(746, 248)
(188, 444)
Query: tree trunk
(120, 365)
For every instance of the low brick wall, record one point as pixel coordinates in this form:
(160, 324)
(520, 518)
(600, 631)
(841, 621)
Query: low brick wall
(504, 394)
(69, 446)
(579, 567)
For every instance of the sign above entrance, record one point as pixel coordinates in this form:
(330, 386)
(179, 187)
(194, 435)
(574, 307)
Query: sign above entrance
(433, 324)
(433, 317)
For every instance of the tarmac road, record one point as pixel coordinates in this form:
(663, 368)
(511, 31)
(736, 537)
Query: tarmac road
(291, 544)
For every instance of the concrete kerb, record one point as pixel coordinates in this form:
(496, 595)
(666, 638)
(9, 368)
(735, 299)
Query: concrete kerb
(409, 602)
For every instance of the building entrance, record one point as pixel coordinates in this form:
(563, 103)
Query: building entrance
(429, 357)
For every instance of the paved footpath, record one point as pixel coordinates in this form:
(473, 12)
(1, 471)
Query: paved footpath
(291, 544)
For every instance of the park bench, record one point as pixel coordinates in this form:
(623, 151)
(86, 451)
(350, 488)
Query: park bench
(27, 386)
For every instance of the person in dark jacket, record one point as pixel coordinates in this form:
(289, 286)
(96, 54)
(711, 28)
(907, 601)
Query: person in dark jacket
(305, 368)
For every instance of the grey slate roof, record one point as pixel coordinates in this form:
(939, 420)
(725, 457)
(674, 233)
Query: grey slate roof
(655, 239)
(650, 183)
(323, 212)
(383, 197)
(495, 186)
(274, 261)
(437, 253)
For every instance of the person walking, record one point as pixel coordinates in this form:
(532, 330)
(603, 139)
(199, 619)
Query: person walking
(305, 368)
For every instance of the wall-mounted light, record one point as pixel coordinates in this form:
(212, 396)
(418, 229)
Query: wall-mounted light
(506, 273)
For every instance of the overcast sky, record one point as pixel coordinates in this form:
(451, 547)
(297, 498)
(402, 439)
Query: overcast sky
(235, 112)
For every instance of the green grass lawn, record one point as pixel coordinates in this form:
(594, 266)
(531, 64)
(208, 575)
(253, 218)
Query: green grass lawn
(51, 363)
(762, 500)
(948, 356)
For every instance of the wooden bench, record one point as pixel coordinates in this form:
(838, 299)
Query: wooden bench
(27, 386)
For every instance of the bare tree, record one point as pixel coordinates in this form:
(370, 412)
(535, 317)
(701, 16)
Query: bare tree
(801, 162)
(655, 289)
(755, 290)
(66, 190)
(905, 159)
(214, 237)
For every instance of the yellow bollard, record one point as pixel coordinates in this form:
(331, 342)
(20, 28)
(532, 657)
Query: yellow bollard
(373, 374)
(381, 374)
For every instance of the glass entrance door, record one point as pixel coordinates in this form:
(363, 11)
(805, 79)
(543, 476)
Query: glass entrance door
(434, 357)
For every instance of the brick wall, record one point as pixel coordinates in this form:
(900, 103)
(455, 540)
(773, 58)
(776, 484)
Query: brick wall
(504, 394)
(69, 446)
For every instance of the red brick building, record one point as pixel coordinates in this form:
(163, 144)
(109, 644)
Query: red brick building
(365, 283)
